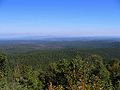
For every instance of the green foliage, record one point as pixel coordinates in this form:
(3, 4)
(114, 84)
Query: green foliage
(3, 63)
(72, 74)
(114, 68)
(59, 70)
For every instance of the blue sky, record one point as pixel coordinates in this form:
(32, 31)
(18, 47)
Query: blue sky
(59, 18)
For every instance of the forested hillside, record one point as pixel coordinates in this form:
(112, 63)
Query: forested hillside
(71, 65)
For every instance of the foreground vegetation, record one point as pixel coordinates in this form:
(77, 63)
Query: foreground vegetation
(86, 73)
(60, 65)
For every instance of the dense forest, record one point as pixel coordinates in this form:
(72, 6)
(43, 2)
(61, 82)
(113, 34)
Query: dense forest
(60, 65)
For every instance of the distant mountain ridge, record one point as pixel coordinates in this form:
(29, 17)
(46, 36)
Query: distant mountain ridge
(60, 38)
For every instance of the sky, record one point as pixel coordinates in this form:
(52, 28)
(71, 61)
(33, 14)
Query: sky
(59, 18)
